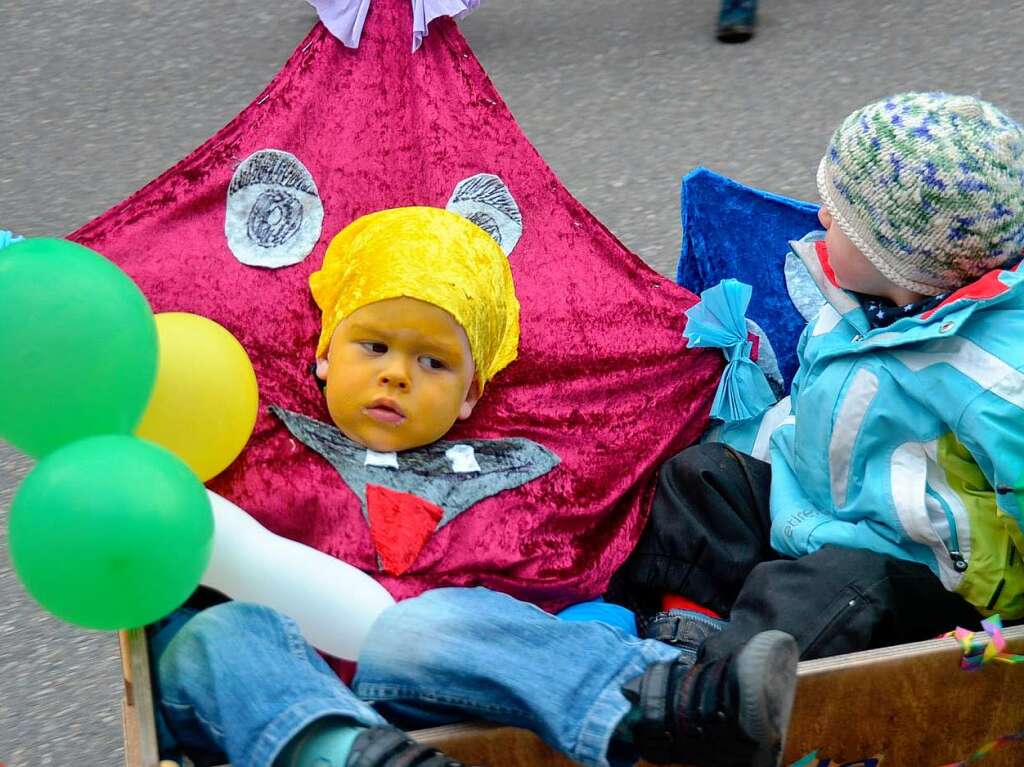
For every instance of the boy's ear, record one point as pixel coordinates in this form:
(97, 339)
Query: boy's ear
(476, 391)
(321, 368)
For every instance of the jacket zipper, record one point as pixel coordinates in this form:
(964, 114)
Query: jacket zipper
(953, 547)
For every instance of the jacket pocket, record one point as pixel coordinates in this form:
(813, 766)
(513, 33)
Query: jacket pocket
(847, 626)
(949, 537)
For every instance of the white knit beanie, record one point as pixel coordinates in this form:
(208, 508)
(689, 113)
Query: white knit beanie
(929, 187)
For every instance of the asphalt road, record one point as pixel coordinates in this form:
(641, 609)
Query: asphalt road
(622, 98)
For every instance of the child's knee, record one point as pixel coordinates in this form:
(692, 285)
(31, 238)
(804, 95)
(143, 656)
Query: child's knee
(217, 630)
(434, 611)
(227, 618)
(431, 628)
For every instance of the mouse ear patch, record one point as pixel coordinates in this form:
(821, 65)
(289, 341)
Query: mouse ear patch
(274, 212)
(486, 201)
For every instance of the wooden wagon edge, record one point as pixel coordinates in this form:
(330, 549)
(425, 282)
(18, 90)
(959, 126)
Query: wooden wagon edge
(931, 665)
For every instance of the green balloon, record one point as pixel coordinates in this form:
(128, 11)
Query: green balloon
(78, 348)
(110, 532)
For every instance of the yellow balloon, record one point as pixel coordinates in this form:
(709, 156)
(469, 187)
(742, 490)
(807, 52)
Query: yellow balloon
(204, 403)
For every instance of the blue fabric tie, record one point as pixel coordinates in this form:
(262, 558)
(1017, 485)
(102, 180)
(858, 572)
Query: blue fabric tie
(719, 322)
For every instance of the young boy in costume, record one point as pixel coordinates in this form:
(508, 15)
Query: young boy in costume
(419, 313)
(883, 507)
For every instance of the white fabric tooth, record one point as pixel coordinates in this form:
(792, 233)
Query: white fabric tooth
(463, 459)
(383, 460)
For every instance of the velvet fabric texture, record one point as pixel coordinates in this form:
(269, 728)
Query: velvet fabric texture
(733, 231)
(603, 379)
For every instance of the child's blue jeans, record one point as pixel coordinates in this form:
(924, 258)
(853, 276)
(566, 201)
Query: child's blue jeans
(238, 681)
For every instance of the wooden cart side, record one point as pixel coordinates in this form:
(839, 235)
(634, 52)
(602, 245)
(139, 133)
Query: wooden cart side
(910, 704)
(137, 716)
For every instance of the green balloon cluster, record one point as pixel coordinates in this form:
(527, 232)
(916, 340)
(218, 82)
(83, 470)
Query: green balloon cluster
(108, 531)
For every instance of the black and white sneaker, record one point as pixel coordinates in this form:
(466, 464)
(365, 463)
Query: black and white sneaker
(730, 712)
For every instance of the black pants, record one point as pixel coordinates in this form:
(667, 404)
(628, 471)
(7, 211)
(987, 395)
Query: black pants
(708, 540)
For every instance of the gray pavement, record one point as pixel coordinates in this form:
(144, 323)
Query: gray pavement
(620, 97)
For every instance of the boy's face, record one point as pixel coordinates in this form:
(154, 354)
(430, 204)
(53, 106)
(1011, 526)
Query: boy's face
(853, 269)
(399, 374)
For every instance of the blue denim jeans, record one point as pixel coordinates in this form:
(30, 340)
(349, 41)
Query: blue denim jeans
(239, 681)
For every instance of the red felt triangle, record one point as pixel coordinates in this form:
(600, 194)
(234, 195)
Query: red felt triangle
(400, 524)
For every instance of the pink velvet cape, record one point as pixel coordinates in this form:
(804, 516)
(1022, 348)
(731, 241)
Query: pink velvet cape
(603, 378)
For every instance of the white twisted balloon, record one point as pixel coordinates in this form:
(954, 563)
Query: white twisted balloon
(333, 603)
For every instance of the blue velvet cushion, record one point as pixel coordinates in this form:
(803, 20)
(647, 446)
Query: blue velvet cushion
(732, 230)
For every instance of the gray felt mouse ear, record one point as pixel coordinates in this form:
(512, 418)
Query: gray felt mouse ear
(486, 201)
(274, 212)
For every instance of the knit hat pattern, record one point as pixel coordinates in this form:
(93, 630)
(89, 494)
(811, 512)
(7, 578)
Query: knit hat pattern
(929, 187)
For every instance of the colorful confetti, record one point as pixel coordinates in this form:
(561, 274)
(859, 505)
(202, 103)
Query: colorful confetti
(805, 761)
(983, 647)
(980, 647)
(996, 745)
(988, 646)
(811, 760)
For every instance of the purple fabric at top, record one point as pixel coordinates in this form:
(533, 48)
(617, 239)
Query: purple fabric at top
(345, 18)
(425, 11)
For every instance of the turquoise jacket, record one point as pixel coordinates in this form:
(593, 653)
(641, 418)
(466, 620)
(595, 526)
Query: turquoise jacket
(907, 440)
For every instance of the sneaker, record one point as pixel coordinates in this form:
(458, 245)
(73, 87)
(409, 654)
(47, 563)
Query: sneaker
(390, 747)
(736, 21)
(730, 712)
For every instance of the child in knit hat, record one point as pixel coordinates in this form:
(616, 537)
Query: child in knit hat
(880, 505)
